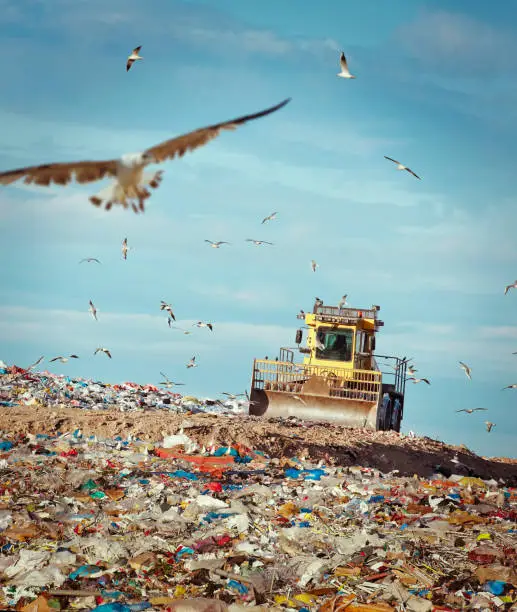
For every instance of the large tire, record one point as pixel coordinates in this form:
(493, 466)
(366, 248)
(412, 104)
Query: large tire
(385, 413)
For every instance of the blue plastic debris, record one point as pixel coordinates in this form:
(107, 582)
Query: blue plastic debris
(5, 445)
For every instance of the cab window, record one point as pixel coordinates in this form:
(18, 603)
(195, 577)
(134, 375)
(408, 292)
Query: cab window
(334, 345)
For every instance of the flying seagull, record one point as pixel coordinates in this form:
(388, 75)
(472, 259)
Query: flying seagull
(233, 396)
(64, 359)
(402, 167)
(170, 383)
(133, 57)
(314, 265)
(345, 73)
(509, 387)
(216, 245)
(512, 286)
(90, 260)
(185, 331)
(130, 185)
(93, 310)
(258, 242)
(466, 369)
(31, 367)
(103, 350)
(168, 310)
(125, 248)
(343, 302)
(192, 363)
(470, 410)
(418, 380)
(489, 426)
(201, 324)
(270, 217)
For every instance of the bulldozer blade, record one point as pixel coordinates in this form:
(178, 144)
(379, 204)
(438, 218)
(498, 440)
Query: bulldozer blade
(312, 407)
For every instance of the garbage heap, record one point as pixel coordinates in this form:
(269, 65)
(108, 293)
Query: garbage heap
(19, 386)
(125, 525)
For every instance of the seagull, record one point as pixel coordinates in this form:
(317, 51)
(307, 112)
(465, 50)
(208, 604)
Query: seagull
(103, 350)
(89, 260)
(509, 387)
(192, 363)
(402, 167)
(270, 217)
(185, 331)
(403, 361)
(133, 57)
(130, 185)
(417, 380)
(93, 310)
(216, 245)
(170, 383)
(233, 396)
(168, 309)
(31, 367)
(343, 301)
(258, 242)
(466, 369)
(318, 302)
(470, 410)
(314, 265)
(125, 248)
(345, 73)
(489, 426)
(64, 359)
(512, 286)
(201, 324)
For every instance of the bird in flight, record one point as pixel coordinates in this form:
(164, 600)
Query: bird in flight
(509, 387)
(125, 248)
(258, 242)
(192, 363)
(418, 380)
(185, 331)
(470, 410)
(270, 217)
(168, 310)
(233, 396)
(402, 167)
(64, 359)
(31, 367)
(90, 260)
(131, 59)
(216, 245)
(343, 301)
(103, 350)
(131, 182)
(489, 426)
(466, 369)
(314, 265)
(170, 383)
(345, 73)
(512, 286)
(201, 324)
(93, 310)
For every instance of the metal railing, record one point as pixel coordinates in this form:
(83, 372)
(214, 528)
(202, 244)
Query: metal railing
(288, 377)
(396, 372)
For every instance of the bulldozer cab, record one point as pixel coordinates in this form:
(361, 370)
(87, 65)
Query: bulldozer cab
(339, 379)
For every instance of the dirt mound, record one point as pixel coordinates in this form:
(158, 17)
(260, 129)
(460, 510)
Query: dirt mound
(331, 443)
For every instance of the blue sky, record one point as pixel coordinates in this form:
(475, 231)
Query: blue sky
(435, 88)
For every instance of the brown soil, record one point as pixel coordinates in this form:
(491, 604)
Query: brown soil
(340, 445)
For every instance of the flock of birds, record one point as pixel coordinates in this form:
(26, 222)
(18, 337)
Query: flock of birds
(130, 187)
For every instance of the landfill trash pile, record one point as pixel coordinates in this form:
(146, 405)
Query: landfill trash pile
(19, 386)
(116, 525)
(160, 508)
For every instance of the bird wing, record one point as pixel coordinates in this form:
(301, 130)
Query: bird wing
(136, 50)
(480, 409)
(178, 146)
(264, 242)
(462, 410)
(426, 381)
(209, 242)
(55, 358)
(61, 173)
(411, 172)
(129, 63)
(391, 159)
(108, 353)
(342, 62)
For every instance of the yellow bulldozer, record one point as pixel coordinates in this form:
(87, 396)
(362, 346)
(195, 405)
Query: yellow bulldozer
(339, 380)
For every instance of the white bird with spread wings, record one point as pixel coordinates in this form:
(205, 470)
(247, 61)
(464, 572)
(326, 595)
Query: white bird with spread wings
(131, 182)
(345, 73)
